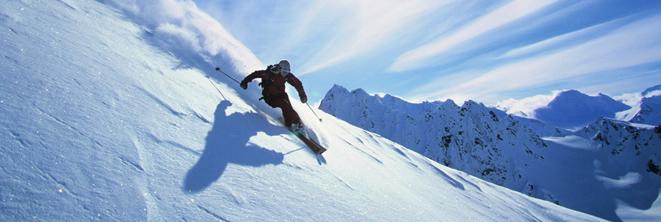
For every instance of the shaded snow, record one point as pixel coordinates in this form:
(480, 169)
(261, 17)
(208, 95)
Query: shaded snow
(572, 109)
(645, 107)
(651, 214)
(652, 91)
(649, 111)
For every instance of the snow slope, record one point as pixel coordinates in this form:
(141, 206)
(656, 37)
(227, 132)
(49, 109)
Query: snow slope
(652, 91)
(608, 163)
(647, 110)
(469, 138)
(521, 154)
(104, 119)
(650, 111)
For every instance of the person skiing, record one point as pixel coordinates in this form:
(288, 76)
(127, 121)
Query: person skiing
(273, 91)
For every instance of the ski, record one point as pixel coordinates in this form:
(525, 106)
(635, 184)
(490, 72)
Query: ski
(314, 146)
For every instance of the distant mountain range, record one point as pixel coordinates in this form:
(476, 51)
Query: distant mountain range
(573, 109)
(608, 161)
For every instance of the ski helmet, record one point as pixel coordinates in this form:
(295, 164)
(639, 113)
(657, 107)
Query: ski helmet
(284, 67)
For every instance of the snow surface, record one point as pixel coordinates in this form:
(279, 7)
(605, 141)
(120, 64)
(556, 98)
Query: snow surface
(467, 137)
(652, 91)
(607, 162)
(649, 111)
(651, 214)
(108, 117)
(645, 107)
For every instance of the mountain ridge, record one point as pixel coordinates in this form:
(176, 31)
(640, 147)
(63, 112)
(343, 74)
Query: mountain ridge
(512, 151)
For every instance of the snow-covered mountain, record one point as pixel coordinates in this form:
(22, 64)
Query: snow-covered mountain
(652, 91)
(650, 111)
(569, 109)
(612, 164)
(107, 114)
(647, 108)
(472, 138)
(518, 153)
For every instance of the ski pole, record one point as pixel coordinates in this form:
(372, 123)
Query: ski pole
(315, 114)
(221, 71)
(214, 86)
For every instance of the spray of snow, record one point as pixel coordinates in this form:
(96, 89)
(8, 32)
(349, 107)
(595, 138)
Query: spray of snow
(182, 27)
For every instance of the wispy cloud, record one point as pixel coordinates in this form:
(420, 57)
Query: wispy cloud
(320, 34)
(630, 45)
(497, 18)
(632, 83)
(471, 49)
(558, 41)
(368, 25)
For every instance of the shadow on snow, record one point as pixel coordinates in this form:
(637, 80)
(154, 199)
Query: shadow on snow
(227, 142)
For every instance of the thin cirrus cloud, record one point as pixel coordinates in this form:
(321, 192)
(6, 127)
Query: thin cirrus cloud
(630, 45)
(557, 41)
(510, 12)
(369, 25)
(319, 34)
(413, 48)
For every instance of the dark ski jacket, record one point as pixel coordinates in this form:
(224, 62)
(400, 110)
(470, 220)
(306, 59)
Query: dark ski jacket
(273, 84)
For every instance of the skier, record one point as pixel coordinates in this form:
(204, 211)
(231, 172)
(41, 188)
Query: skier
(273, 91)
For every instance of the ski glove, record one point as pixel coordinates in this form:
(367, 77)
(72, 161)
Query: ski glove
(244, 84)
(304, 98)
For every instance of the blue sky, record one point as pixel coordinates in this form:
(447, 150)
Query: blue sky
(433, 50)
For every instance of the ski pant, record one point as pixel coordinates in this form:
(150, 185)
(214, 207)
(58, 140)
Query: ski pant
(288, 111)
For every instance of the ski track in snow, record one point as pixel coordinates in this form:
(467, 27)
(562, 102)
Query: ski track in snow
(212, 213)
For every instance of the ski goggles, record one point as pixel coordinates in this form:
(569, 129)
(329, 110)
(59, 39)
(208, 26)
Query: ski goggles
(276, 68)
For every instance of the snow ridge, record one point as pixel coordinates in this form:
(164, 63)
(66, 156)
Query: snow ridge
(647, 111)
(484, 142)
(522, 154)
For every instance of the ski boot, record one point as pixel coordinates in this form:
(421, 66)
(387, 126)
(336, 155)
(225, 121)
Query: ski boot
(296, 128)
